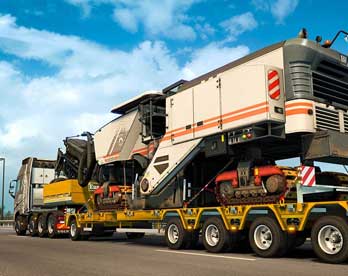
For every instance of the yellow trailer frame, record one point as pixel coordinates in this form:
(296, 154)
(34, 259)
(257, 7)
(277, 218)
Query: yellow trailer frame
(291, 217)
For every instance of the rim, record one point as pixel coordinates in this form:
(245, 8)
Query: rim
(17, 225)
(31, 225)
(263, 237)
(212, 235)
(73, 229)
(330, 239)
(40, 226)
(173, 233)
(51, 222)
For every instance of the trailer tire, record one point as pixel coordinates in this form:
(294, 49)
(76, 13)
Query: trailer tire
(216, 238)
(329, 238)
(32, 226)
(51, 226)
(75, 231)
(42, 226)
(133, 236)
(176, 236)
(267, 239)
(20, 226)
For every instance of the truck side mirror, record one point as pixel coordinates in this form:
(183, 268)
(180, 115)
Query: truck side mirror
(11, 188)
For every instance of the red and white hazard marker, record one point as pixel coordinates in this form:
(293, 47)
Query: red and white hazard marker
(273, 85)
(308, 176)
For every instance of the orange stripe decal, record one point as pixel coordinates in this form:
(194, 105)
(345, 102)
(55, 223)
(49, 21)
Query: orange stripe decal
(297, 111)
(298, 104)
(244, 109)
(245, 115)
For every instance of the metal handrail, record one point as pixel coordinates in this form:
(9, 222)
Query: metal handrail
(6, 223)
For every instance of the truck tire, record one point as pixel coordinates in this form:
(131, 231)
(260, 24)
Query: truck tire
(51, 226)
(42, 226)
(267, 239)
(176, 236)
(20, 226)
(75, 231)
(32, 226)
(216, 238)
(330, 239)
(133, 236)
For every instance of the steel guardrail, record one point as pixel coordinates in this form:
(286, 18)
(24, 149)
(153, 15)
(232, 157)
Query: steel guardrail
(6, 223)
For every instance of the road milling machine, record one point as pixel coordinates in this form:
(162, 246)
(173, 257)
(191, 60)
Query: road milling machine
(217, 137)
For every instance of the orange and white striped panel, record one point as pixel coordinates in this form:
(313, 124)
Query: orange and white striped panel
(273, 85)
(307, 176)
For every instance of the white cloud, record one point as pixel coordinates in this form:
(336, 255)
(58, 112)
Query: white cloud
(210, 57)
(15, 132)
(83, 4)
(204, 30)
(263, 5)
(166, 18)
(239, 24)
(280, 9)
(127, 19)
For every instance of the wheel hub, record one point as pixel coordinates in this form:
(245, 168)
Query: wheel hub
(212, 235)
(73, 230)
(51, 225)
(263, 237)
(173, 233)
(330, 239)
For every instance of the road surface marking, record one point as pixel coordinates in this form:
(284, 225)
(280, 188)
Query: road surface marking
(206, 255)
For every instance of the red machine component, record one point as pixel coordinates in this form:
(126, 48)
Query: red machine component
(111, 190)
(259, 172)
(262, 182)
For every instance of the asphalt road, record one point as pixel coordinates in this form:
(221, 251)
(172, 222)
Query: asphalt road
(147, 256)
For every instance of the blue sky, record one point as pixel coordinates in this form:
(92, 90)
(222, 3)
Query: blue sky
(64, 64)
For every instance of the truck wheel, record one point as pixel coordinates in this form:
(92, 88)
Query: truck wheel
(20, 226)
(216, 238)
(41, 226)
(32, 227)
(267, 239)
(132, 236)
(75, 231)
(176, 236)
(51, 226)
(330, 239)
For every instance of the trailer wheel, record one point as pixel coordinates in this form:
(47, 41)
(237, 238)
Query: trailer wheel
(216, 238)
(32, 226)
(42, 226)
(20, 226)
(330, 239)
(176, 236)
(75, 231)
(51, 226)
(267, 239)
